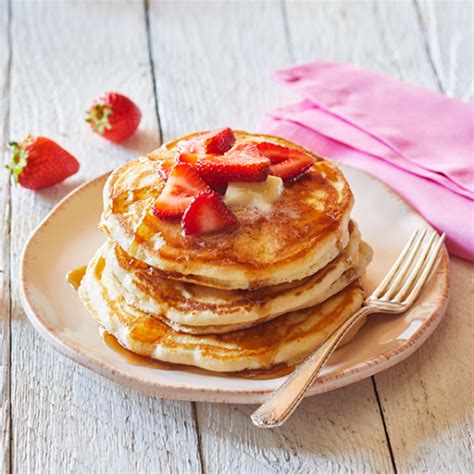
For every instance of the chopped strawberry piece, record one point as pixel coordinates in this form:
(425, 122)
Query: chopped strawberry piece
(216, 142)
(292, 168)
(275, 153)
(183, 185)
(207, 213)
(248, 149)
(164, 168)
(243, 163)
(287, 163)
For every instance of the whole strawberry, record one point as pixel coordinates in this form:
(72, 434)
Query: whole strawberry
(38, 162)
(114, 116)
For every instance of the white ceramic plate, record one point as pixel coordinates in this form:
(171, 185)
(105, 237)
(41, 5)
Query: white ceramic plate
(68, 237)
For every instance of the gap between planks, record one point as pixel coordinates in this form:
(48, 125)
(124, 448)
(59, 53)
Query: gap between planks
(146, 7)
(5, 394)
(292, 57)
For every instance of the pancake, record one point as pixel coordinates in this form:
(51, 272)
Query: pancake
(201, 310)
(285, 340)
(301, 233)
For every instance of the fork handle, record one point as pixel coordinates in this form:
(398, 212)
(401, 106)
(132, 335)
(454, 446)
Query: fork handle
(283, 401)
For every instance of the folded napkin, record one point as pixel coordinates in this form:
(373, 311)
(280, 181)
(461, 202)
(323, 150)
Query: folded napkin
(418, 142)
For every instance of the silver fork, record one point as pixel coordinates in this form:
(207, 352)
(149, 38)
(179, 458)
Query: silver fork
(395, 294)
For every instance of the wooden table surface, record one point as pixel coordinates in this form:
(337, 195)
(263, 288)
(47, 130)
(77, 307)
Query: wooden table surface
(203, 65)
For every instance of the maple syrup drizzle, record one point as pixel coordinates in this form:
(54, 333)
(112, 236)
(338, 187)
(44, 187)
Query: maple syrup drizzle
(131, 357)
(74, 277)
(143, 361)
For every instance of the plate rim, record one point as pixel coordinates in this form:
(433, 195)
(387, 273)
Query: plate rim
(218, 394)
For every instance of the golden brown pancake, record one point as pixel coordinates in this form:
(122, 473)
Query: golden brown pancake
(284, 340)
(304, 230)
(202, 310)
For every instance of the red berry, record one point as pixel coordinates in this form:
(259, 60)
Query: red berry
(287, 163)
(275, 153)
(183, 185)
(207, 213)
(38, 162)
(216, 142)
(243, 163)
(114, 116)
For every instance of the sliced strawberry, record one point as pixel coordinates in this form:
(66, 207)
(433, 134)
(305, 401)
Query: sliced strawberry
(292, 168)
(243, 163)
(275, 153)
(164, 168)
(207, 213)
(287, 163)
(183, 185)
(246, 148)
(216, 142)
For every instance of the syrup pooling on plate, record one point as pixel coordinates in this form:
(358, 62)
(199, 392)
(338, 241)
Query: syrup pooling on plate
(135, 359)
(131, 357)
(74, 277)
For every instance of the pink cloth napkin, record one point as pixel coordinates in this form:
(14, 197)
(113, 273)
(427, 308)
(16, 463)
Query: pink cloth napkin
(418, 142)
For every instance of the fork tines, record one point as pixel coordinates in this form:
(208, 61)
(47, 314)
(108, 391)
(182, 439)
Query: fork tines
(411, 269)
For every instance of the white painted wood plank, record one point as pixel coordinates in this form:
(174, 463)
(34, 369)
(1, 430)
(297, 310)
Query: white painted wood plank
(4, 254)
(212, 63)
(381, 36)
(449, 35)
(339, 431)
(66, 418)
(426, 400)
(4, 96)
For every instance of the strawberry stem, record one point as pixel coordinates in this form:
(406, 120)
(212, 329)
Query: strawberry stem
(98, 116)
(19, 159)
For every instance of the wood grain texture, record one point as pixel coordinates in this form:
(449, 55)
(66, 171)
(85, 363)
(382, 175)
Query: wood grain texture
(339, 431)
(235, 56)
(448, 29)
(213, 62)
(427, 399)
(382, 36)
(5, 252)
(65, 418)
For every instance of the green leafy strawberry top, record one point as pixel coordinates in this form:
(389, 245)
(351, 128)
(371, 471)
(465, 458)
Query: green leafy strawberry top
(98, 117)
(19, 158)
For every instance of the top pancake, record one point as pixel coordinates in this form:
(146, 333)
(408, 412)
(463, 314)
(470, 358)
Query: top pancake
(304, 230)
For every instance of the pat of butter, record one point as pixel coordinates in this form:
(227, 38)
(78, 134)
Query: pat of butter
(259, 195)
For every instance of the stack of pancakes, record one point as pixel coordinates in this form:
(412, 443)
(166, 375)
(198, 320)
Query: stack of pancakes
(264, 295)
